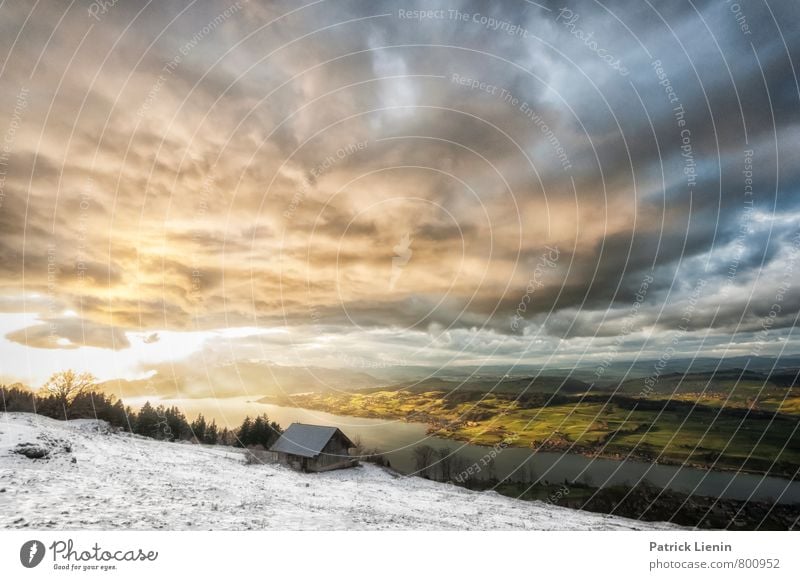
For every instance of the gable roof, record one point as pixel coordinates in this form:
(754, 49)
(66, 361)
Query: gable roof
(306, 440)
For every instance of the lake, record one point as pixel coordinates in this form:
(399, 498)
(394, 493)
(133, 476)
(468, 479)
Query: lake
(397, 440)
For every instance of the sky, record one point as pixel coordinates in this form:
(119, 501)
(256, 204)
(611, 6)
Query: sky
(368, 184)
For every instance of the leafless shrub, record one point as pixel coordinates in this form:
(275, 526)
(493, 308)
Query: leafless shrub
(446, 460)
(367, 454)
(423, 457)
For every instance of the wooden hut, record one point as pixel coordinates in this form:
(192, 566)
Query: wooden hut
(314, 448)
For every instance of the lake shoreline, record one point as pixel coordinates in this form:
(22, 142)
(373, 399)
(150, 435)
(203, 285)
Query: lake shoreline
(550, 447)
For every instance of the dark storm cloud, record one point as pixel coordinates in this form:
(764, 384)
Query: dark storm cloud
(210, 173)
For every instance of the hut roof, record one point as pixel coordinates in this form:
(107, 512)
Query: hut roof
(306, 440)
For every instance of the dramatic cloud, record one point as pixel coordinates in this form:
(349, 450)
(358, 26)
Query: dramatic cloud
(473, 182)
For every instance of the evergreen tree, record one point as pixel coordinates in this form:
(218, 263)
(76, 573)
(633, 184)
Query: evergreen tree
(198, 428)
(148, 422)
(211, 434)
(162, 430)
(17, 398)
(244, 433)
(131, 418)
(258, 431)
(177, 425)
(118, 416)
(227, 437)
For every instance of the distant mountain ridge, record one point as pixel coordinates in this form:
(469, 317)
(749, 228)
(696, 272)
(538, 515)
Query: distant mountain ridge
(240, 379)
(264, 378)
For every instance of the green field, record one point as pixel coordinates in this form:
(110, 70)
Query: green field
(688, 428)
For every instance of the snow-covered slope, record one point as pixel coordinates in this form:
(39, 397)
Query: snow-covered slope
(96, 479)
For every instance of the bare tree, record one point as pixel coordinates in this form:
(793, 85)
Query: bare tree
(445, 463)
(368, 454)
(65, 386)
(458, 470)
(423, 456)
(464, 472)
(491, 470)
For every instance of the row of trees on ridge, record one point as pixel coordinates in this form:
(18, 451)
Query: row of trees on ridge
(70, 395)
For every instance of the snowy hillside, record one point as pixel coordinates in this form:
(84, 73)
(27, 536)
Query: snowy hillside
(92, 478)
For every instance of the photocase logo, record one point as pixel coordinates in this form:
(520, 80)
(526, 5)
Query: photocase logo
(402, 254)
(31, 553)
